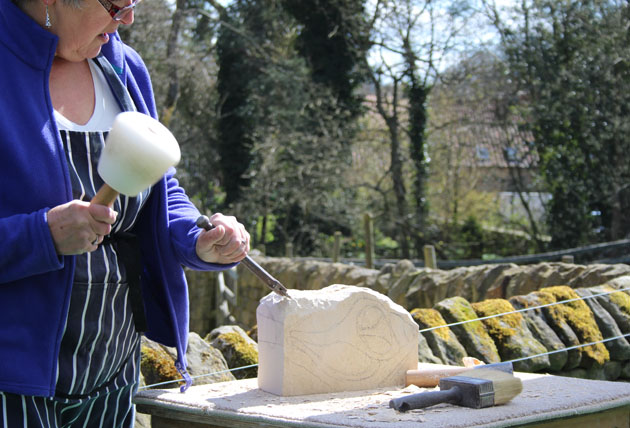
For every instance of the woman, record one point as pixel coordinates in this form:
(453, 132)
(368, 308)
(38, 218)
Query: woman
(71, 305)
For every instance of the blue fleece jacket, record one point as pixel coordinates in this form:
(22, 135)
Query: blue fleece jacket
(35, 283)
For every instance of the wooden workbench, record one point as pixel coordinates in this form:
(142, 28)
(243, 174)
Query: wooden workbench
(546, 401)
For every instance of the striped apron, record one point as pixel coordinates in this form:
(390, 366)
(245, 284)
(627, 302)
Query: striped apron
(99, 359)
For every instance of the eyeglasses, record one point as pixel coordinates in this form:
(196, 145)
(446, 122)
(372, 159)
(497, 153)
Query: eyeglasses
(118, 13)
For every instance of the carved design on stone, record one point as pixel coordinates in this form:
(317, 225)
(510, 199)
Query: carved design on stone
(335, 339)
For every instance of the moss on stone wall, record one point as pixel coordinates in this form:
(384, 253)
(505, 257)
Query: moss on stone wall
(238, 353)
(428, 318)
(581, 320)
(473, 334)
(461, 310)
(544, 298)
(542, 331)
(511, 335)
(620, 299)
(157, 366)
(442, 341)
(500, 328)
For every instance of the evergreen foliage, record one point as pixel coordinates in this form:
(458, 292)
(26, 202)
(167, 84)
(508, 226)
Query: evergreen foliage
(333, 39)
(571, 59)
(238, 68)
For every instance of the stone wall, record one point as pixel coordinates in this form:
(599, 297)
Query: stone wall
(405, 284)
(435, 297)
(542, 331)
(202, 295)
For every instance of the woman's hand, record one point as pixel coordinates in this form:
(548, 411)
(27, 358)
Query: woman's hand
(227, 243)
(78, 227)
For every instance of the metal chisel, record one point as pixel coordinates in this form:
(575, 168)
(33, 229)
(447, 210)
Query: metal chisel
(271, 282)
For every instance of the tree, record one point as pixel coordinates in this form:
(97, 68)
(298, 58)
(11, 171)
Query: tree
(417, 94)
(570, 58)
(460, 115)
(413, 40)
(240, 63)
(471, 116)
(293, 130)
(183, 70)
(333, 38)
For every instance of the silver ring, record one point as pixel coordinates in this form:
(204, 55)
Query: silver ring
(95, 242)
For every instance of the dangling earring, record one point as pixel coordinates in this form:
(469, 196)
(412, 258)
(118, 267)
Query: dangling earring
(48, 24)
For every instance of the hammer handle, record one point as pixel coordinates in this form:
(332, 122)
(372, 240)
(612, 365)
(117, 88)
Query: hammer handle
(431, 377)
(427, 399)
(105, 196)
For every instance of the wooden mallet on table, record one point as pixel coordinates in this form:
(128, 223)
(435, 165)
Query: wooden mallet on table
(138, 151)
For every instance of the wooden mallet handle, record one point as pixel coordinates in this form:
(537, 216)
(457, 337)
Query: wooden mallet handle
(105, 196)
(431, 377)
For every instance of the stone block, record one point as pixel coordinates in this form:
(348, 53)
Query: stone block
(339, 338)
(619, 349)
(511, 335)
(537, 324)
(158, 363)
(471, 333)
(442, 341)
(616, 302)
(577, 315)
(425, 354)
(238, 349)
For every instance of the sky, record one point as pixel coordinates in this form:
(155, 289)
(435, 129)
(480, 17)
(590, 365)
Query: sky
(478, 33)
